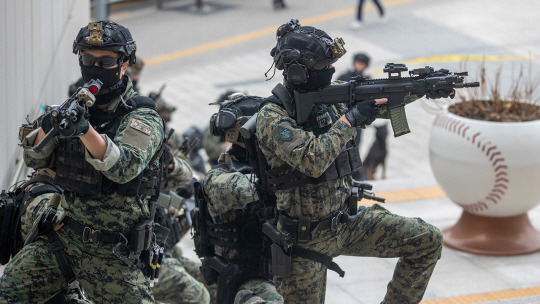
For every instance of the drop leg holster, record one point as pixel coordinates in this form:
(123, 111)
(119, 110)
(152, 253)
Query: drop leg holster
(285, 242)
(228, 277)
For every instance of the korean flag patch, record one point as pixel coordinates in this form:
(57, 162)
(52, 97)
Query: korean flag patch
(140, 126)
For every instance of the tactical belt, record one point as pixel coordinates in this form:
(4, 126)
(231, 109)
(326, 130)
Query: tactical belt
(90, 235)
(305, 230)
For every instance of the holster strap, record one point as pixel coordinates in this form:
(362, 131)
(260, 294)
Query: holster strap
(318, 257)
(61, 257)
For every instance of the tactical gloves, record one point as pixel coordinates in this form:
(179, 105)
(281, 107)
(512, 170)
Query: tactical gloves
(45, 122)
(362, 113)
(73, 124)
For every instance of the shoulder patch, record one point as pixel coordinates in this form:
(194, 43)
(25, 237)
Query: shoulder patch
(140, 126)
(285, 134)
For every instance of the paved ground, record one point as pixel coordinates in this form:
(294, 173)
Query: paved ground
(201, 54)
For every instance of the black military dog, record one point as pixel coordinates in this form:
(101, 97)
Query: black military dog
(377, 154)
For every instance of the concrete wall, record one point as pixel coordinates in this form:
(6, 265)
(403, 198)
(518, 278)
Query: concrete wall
(36, 65)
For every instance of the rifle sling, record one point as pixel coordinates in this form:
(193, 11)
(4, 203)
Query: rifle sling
(286, 100)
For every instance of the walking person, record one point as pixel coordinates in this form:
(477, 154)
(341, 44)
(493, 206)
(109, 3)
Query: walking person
(358, 23)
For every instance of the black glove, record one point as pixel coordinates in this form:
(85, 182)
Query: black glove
(188, 190)
(441, 94)
(45, 121)
(75, 128)
(362, 113)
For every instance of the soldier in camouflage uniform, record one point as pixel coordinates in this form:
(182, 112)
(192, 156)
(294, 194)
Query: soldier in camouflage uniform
(177, 283)
(231, 200)
(180, 280)
(107, 163)
(309, 170)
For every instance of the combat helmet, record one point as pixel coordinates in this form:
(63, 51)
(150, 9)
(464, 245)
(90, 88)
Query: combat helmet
(299, 48)
(108, 36)
(232, 115)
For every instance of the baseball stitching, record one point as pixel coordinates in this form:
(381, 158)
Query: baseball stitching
(491, 151)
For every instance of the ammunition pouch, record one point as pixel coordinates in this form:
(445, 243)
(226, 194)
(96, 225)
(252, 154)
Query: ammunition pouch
(285, 177)
(142, 236)
(228, 277)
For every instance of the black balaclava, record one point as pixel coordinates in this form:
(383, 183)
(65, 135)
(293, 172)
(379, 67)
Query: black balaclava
(316, 79)
(112, 84)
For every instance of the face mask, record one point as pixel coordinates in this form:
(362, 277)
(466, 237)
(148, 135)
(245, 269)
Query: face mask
(109, 77)
(318, 78)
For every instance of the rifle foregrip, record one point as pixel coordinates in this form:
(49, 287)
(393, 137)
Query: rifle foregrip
(398, 118)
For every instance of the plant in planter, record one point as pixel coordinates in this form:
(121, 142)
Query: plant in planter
(484, 152)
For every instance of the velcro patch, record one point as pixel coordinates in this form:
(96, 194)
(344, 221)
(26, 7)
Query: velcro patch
(140, 126)
(285, 134)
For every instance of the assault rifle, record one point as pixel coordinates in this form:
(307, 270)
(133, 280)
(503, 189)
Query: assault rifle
(68, 112)
(398, 90)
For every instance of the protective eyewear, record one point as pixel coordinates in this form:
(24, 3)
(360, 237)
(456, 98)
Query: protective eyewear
(103, 61)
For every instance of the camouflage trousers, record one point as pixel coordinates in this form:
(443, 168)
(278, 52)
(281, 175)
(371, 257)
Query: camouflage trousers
(176, 285)
(258, 292)
(375, 232)
(34, 276)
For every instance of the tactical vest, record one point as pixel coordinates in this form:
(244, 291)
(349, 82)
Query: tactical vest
(237, 240)
(286, 177)
(74, 173)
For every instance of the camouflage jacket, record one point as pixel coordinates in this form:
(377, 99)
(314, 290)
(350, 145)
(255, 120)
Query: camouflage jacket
(282, 141)
(127, 155)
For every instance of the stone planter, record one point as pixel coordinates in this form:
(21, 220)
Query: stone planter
(491, 170)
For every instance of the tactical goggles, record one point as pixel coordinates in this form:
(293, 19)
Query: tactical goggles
(103, 61)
